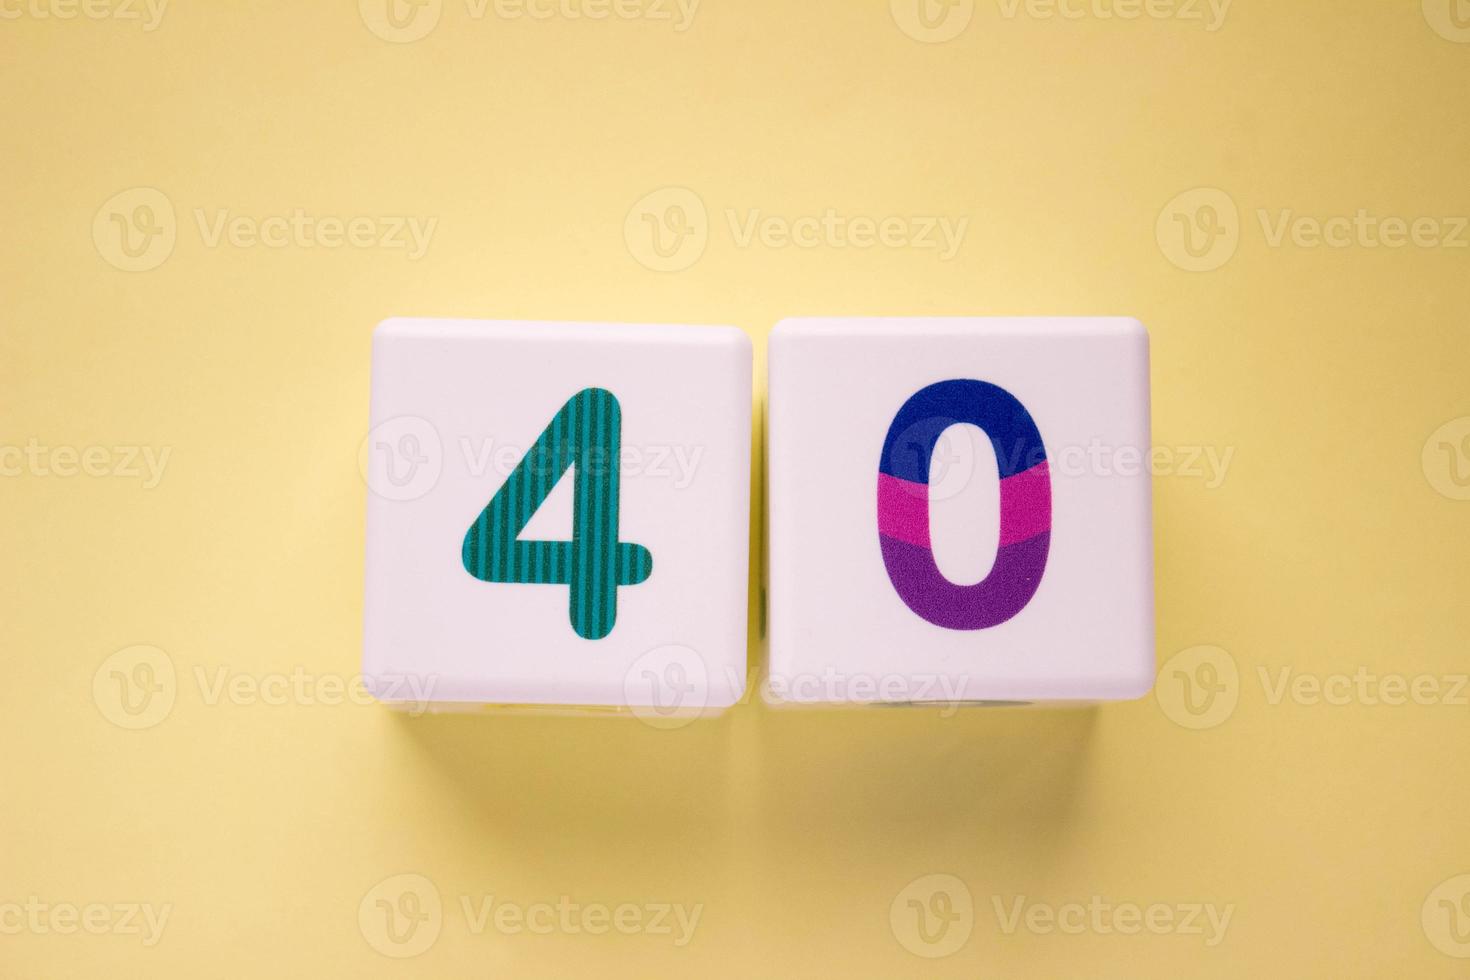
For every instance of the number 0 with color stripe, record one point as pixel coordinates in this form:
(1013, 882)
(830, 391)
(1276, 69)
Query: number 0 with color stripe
(1025, 505)
(585, 435)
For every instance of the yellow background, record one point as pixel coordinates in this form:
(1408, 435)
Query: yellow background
(1336, 541)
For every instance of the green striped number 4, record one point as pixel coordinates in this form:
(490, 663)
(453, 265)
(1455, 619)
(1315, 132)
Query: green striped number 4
(586, 435)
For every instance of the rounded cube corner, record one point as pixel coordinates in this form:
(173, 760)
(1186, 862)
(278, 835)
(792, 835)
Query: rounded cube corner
(729, 700)
(1134, 329)
(1138, 683)
(787, 328)
(392, 326)
(732, 338)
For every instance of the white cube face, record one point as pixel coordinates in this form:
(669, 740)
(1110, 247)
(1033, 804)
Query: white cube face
(558, 514)
(959, 510)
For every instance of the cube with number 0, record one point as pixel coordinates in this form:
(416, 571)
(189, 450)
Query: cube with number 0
(959, 510)
(558, 514)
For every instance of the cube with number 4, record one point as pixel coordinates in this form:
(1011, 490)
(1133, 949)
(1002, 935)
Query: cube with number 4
(959, 510)
(558, 515)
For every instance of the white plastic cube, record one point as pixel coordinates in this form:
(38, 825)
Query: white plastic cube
(959, 510)
(558, 514)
